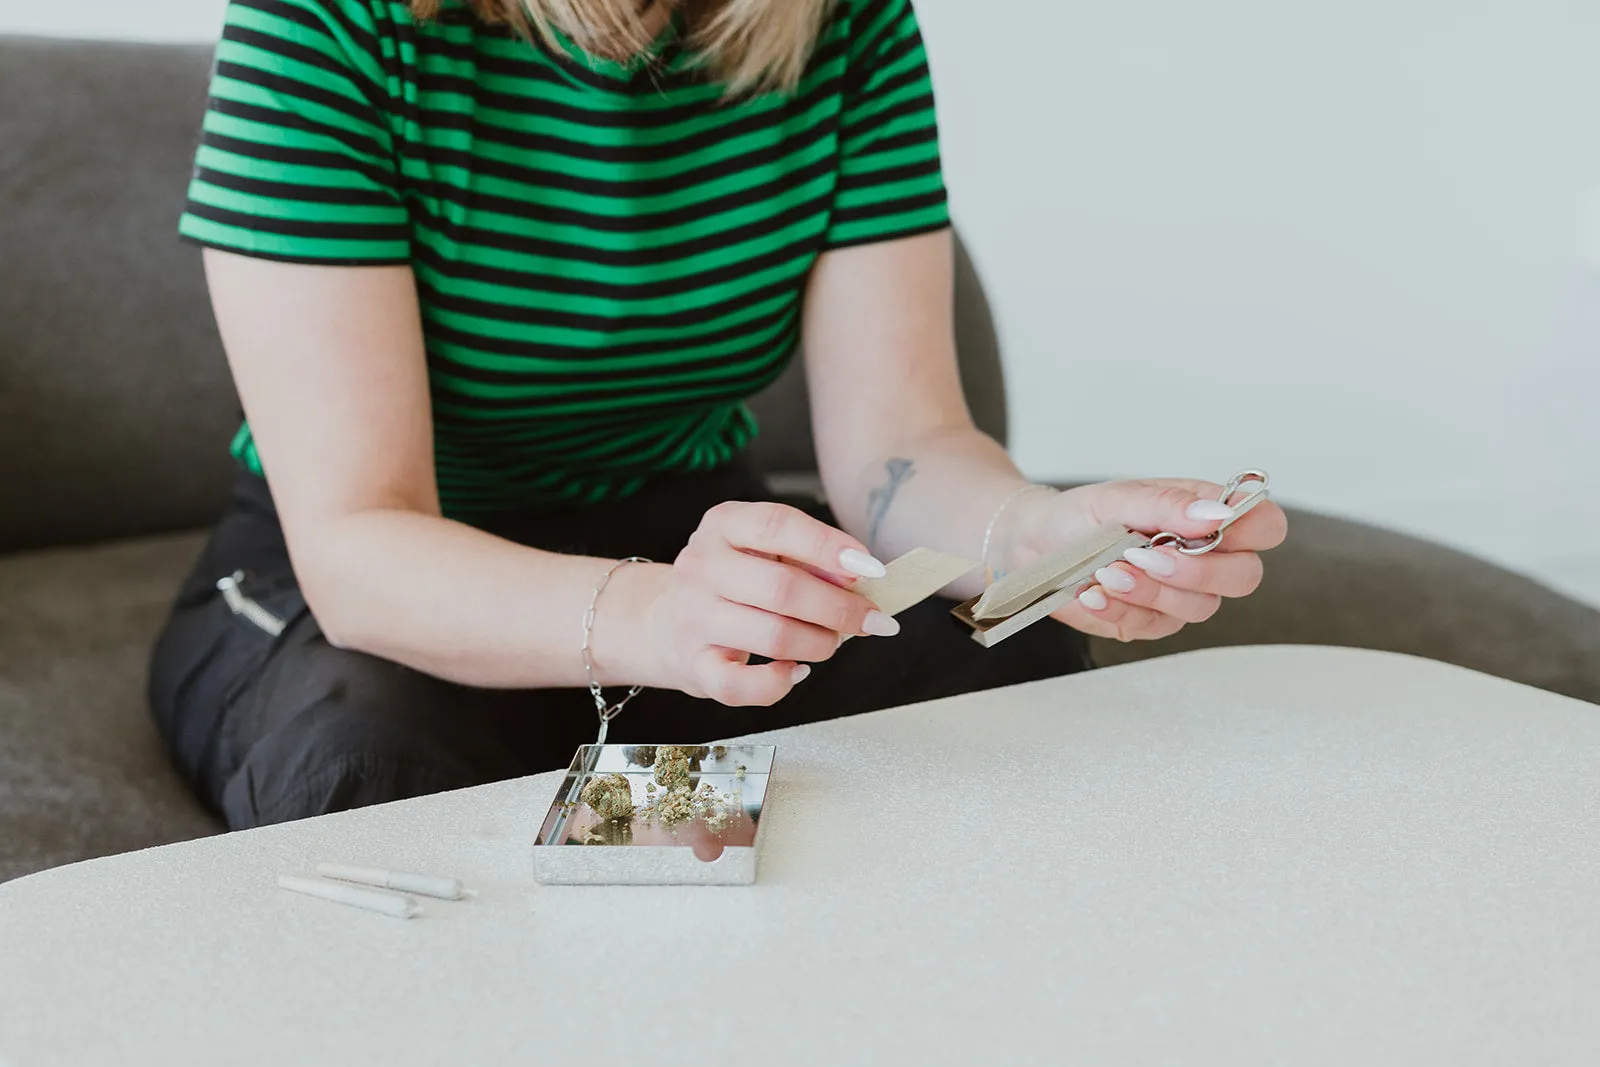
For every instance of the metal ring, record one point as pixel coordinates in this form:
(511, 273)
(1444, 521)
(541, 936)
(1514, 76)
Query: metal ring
(1189, 546)
(1205, 545)
(1252, 475)
(1242, 479)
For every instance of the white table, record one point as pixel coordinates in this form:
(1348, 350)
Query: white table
(1287, 855)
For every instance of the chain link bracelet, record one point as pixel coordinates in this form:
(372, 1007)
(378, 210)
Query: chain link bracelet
(990, 573)
(602, 709)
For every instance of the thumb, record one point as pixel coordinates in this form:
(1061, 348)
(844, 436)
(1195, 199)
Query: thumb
(1189, 509)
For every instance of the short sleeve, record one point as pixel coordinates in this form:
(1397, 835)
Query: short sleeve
(296, 158)
(890, 181)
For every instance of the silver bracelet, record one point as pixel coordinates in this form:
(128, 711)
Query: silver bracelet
(604, 711)
(990, 576)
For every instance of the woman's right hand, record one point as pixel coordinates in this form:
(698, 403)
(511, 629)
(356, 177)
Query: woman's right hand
(759, 579)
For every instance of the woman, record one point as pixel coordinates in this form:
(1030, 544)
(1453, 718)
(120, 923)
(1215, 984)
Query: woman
(493, 279)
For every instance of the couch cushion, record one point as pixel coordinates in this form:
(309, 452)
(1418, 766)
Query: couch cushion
(115, 401)
(1342, 583)
(81, 771)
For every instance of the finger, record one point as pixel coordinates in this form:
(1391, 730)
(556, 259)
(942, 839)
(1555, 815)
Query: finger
(725, 677)
(763, 633)
(780, 530)
(1186, 508)
(831, 577)
(706, 845)
(843, 580)
(1219, 573)
(1117, 621)
(795, 592)
(1122, 582)
(1263, 527)
(740, 830)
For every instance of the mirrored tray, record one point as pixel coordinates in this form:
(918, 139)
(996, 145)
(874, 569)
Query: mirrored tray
(709, 840)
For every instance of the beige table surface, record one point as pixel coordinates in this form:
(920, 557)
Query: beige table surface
(1284, 855)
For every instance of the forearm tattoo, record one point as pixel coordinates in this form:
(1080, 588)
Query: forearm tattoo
(900, 472)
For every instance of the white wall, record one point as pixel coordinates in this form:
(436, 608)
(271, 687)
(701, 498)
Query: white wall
(1344, 241)
(1355, 243)
(147, 20)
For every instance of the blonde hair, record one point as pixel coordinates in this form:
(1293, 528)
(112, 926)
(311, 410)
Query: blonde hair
(749, 46)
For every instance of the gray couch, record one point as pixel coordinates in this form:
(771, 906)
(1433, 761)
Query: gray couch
(116, 407)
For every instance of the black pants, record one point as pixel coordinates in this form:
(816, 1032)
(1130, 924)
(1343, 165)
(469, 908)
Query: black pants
(271, 728)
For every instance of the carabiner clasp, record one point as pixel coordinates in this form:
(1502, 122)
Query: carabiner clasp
(1251, 482)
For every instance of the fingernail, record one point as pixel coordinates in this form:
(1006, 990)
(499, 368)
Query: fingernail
(1115, 580)
(1152, 562)
(1208, 511)
(858, 562)
(800, 673)
(1093, 599)
(880, 625)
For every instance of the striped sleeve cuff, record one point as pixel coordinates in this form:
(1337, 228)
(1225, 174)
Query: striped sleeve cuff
(891, 183)
(295, 161)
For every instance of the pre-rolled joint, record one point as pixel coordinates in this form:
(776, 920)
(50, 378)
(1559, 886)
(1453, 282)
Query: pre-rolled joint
(394, 905)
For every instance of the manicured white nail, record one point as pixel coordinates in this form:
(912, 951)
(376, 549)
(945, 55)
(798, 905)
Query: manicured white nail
(858, 562)
(1093, 599)
(880, 625)
(1152, 562)
(1208, 511)
(1115, 580)
(801, 672)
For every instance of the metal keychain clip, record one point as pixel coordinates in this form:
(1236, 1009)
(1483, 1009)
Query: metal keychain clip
(1199, 546)
(1023, 597)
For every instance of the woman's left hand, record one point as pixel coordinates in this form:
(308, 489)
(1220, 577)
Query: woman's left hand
(1154, 593)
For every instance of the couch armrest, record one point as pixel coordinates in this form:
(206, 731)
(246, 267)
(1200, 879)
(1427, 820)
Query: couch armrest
(1335, 582)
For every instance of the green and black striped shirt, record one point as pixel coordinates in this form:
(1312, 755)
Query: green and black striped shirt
(610, 257)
